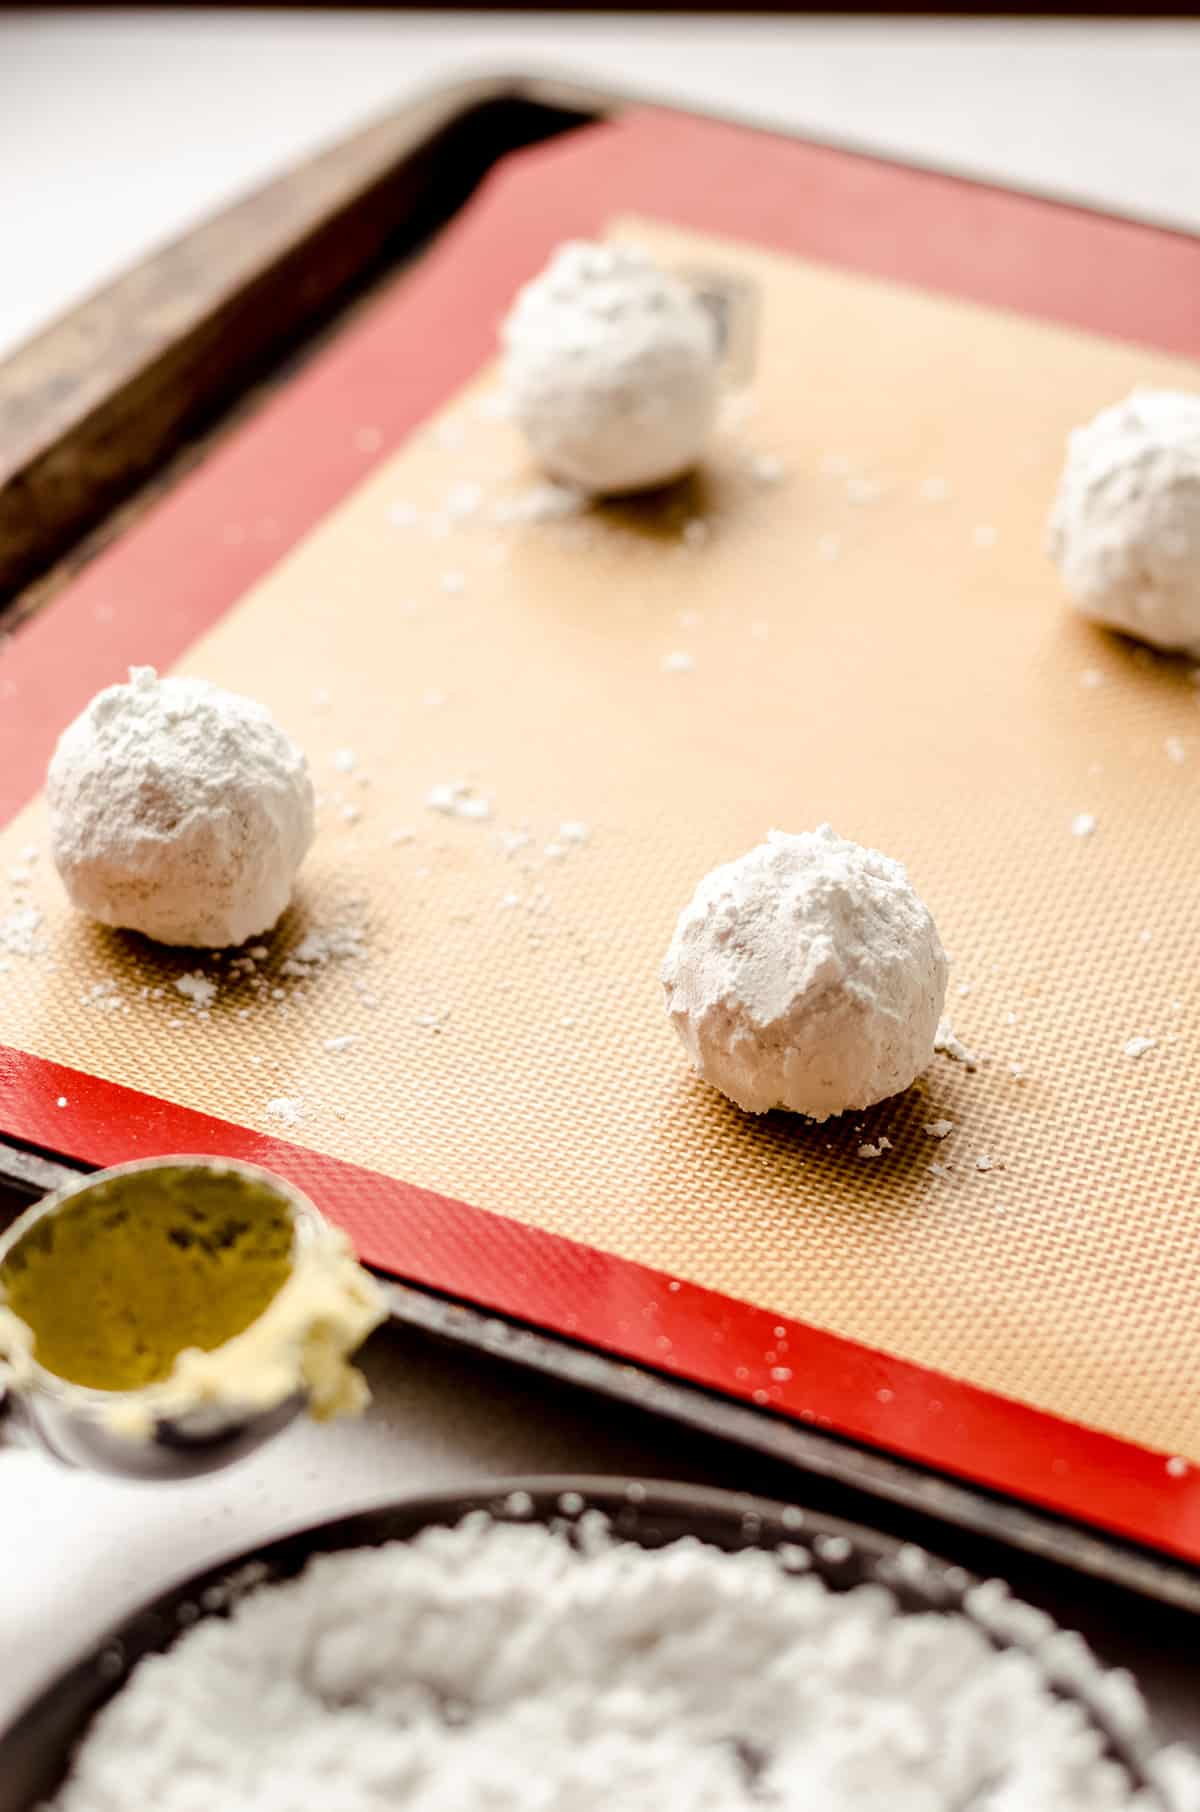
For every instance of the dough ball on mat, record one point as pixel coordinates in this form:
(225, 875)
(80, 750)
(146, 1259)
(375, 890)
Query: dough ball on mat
(806, 975)
(611, 369)
(1125, 530)
(179, 810)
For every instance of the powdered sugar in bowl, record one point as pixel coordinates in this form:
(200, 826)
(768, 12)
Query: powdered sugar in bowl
(573, 1644)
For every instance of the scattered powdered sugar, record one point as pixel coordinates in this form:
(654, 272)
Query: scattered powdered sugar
(287, 1109)
(103, 997)
(19, 931)
(1176, 749)
(1137, 1047)
(1083, 824)
(938, 1129)
(766, 469)
(503, 1665)
(345, 941)
(863, 490)
(197, 988)
(948, 1044)
(677, 662)
(463, 498)
(455, 799)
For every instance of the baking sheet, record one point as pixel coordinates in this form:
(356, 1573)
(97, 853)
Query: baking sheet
(897, 661)
(876, 639)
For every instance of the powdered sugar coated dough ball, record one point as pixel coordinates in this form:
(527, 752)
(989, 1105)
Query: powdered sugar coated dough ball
(611, 369)
(1125, 530)
(806, 975)
(179, 810)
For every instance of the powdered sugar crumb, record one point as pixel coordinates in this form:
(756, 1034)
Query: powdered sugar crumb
(546, 502)
(288, 1110)
(19, 931)
(455, 799)
(766, 468)
(197, 988)
(948, 1044)
(1137, 1047)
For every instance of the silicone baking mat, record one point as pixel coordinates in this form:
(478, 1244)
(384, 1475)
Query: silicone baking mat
(456, 1037)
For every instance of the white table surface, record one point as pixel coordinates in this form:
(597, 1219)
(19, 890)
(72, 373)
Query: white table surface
(117, 131)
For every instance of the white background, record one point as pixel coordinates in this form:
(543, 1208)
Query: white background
(116, 131)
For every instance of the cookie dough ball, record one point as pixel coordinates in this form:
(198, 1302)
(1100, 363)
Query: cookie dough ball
(611, 369)
(179, 810)
(1125, 530)
(806, 975)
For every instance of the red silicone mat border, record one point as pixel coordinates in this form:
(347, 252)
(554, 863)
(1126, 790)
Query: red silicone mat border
(259, 493)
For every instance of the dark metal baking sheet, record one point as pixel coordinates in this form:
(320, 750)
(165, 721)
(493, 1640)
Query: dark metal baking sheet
(357, 211)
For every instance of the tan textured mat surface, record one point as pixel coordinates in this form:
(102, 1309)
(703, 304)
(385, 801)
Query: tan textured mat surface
(876, 639)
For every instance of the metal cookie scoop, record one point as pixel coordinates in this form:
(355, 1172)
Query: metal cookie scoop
(135, 1305)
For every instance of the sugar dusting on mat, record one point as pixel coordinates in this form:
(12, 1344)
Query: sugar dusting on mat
(496, 1665)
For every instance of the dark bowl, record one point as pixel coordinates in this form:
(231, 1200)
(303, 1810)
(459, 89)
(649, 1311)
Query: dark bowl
(35, 1751)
